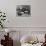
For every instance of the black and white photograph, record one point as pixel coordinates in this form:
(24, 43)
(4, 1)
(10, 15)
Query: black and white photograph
(23, 10)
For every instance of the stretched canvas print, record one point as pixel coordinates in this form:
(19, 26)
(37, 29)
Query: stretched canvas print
(23, 10)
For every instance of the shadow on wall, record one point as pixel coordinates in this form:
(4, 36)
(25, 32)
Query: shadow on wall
(16, 43)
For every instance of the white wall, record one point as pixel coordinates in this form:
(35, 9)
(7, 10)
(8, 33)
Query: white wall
(38, 13)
